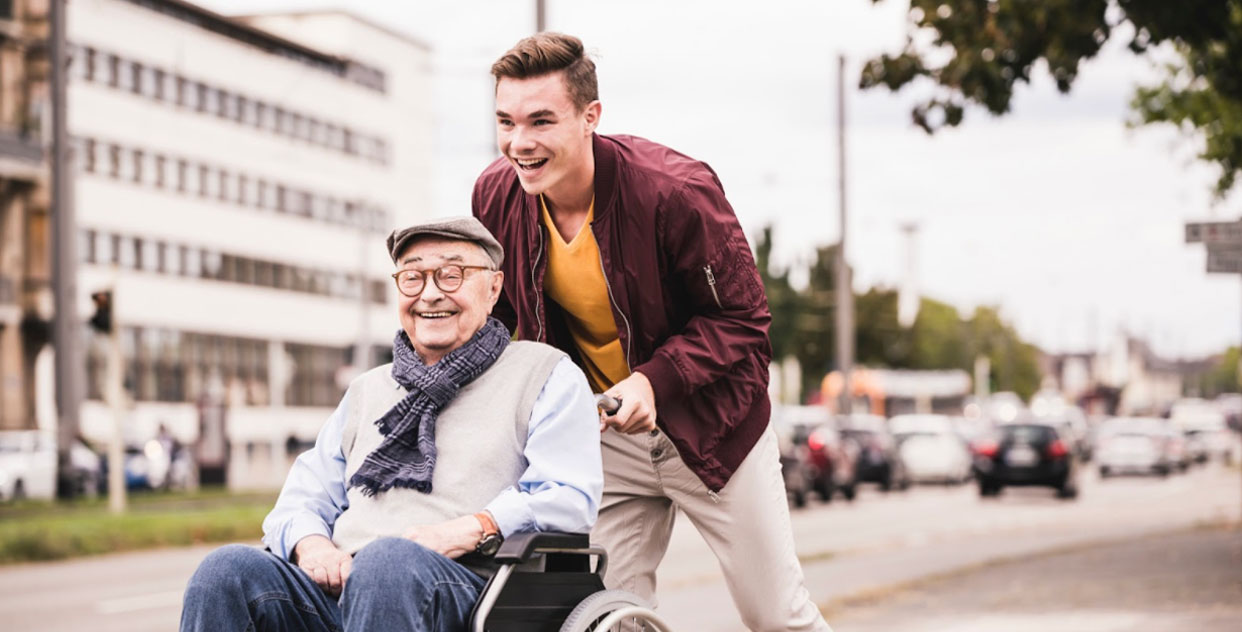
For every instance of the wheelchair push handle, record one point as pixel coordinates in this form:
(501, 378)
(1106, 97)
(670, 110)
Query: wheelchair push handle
(610, 405)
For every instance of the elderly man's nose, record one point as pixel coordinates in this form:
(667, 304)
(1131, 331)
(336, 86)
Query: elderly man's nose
(431, 291)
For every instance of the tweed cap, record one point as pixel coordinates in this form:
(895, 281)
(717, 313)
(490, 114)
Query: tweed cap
(463, 228)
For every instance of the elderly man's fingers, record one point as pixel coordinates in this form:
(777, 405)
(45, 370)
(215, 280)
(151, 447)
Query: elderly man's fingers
(320, 575)
(347, 565)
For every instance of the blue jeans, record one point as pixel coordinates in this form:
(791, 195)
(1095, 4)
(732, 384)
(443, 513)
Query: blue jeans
(395, 584)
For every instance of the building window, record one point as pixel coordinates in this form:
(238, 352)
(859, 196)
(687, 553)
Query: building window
(161, 164)
(136, 74)
(313, 381)
(114, 161)
(263, 197)
(89, 59)
(88, 155)
(243, 190)
(137, 160)
(184, 91)
(88, 246)
(203, 103)
(158, 77)
(223, 192)
(204, 181)
(112, 68)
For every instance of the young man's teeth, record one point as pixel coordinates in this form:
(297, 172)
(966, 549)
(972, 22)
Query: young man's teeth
(531, 163)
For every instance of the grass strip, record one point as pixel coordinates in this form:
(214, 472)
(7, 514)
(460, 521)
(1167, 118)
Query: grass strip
(42, 532)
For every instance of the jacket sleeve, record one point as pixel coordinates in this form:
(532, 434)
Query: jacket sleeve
(503, 310)
(706, 255)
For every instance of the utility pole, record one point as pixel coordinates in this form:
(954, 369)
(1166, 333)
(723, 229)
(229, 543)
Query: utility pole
(845, 292)
(114, 390)
(65, 327)
(541, 16)
(908, 296)
(362, 357)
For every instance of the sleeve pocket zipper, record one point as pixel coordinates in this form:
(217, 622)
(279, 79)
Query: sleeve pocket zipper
(711, 283)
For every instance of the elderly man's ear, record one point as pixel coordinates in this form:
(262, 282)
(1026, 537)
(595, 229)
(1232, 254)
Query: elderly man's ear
(493, 295)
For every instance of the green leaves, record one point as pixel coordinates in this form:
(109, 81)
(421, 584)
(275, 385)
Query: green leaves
(982, 48)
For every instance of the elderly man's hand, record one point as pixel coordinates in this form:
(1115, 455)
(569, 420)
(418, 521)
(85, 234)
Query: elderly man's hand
(452, 538)
(637, 413)
(326, 564)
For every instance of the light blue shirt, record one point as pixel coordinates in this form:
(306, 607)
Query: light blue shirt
(559, 490)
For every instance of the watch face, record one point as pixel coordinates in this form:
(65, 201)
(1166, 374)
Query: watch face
(489, 545)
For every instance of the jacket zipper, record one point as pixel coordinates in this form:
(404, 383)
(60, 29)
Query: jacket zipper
(629, 335)
(538, 290)
(711, 282)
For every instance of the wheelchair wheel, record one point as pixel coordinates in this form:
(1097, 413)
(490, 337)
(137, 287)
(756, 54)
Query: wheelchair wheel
(613, 610)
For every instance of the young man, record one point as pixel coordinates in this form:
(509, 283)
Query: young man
(390, 521)
(626, 255)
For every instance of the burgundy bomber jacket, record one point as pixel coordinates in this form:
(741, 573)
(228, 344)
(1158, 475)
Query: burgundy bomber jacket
(686, 297)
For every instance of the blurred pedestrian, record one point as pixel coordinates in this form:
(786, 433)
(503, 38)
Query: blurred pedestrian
(626, 255)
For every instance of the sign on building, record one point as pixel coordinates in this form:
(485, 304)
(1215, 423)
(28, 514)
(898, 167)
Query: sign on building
(1212, 233)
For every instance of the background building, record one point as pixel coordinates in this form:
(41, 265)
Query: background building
(233, 190)
(25, 297)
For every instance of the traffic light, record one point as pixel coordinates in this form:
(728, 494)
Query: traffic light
(101, 321)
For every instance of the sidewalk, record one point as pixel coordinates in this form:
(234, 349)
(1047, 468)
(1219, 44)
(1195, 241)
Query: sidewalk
(1191, 580)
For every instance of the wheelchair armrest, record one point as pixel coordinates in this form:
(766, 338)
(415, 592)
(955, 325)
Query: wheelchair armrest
(520, 546)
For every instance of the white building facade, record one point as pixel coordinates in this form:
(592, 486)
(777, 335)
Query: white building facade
(234, 189)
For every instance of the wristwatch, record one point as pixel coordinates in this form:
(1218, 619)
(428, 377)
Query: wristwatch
(490, 544)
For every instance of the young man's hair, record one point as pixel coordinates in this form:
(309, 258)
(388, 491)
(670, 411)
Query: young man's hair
(546, 53)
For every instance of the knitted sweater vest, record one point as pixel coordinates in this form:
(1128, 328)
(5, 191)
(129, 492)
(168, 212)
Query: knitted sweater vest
(480, 441)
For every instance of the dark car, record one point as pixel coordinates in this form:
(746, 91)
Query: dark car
(825, 458)
(1029, 453)
(878, 459)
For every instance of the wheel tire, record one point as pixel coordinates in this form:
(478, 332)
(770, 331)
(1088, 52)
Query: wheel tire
(850, 492)
(799, 499)
(19, 490)
(595, 607)
(824, 489)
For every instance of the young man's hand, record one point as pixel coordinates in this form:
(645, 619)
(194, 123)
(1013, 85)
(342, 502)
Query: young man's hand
(637, 413)
(326, 564)
(451, 538)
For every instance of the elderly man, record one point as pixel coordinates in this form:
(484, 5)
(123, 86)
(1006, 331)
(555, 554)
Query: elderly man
(389, 522)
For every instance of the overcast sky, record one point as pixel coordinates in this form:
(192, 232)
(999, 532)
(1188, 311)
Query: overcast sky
(1057, 213)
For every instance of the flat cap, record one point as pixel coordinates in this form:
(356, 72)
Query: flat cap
(463, 228)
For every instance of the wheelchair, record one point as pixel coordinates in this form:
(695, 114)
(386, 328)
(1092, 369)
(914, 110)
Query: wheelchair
(545, 583)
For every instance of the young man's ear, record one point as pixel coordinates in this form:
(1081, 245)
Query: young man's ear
(591, 116)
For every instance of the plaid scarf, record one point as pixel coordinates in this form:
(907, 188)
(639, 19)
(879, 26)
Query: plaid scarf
(407, 455)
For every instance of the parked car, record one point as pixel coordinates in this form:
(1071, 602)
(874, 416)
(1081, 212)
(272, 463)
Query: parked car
(1142, 445)
(829, 458)
(27, 465)
(795, 466)
(155, 465)
(1205, 426)
(878, 459)
(931, 450)
(1027, 453)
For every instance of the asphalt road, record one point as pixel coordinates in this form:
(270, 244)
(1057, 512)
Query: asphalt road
(849, 550)
(1189, 581)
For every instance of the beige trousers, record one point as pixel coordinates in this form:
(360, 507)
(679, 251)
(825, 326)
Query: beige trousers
(746, 525)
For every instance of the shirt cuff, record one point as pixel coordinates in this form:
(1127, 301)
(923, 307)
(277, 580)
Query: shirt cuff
(299, 529)
(511, 512)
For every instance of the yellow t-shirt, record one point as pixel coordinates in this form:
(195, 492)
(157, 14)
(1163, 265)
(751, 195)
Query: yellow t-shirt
(575, 280)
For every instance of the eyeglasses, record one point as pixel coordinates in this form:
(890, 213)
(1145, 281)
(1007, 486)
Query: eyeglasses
(448, 278)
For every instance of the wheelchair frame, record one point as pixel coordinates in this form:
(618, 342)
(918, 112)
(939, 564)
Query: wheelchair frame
(560, 589)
